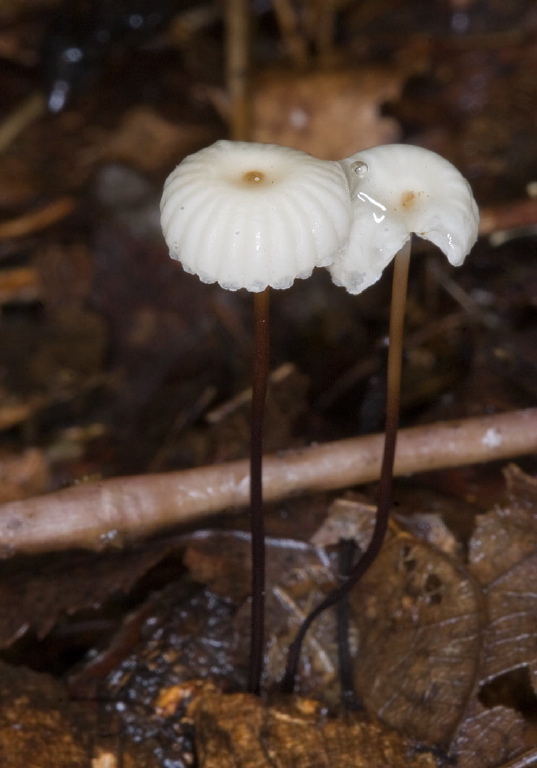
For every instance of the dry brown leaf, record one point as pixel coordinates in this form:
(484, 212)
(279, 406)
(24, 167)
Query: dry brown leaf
(498, 723)
(487, 738)
(328, 114)
(221, 561)
(147, 141)
(419, 617)
(429, 527)
(22, 475)
(346, 519)
(295, 591)
(35, 598)
(521, 488)
(444, 661)
(298, 577)
(353, 519)
(510, 638)
(508, 533)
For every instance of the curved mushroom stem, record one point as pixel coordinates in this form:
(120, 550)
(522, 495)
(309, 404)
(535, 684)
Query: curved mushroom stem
(393, 391)
(259, 390)
(384, 503)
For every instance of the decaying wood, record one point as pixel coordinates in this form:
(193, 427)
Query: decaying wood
(103, 514)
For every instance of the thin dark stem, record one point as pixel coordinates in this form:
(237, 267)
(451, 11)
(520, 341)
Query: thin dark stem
(395, 355)
(259, 390)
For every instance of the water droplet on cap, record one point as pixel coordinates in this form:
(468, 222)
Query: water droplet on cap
(360, 169)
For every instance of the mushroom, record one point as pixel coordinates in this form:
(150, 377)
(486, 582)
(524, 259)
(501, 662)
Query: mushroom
(249, 215)
(397, 190)
(255, 216)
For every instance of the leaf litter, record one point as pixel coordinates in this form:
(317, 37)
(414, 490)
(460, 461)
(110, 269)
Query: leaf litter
(95, 346)
(442, 658)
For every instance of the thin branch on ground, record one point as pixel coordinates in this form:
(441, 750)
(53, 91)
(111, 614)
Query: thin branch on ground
(113, 512)
(35, 221)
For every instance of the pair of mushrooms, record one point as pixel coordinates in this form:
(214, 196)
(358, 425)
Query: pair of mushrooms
(258, 216)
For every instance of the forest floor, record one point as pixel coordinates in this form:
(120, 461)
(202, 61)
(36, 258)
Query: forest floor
(116, 363)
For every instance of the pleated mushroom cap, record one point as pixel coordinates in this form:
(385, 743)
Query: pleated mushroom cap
(397, 190)
(249, 215)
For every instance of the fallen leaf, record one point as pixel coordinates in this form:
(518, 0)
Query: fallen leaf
(23, 475)
(487, 738)
(346, 519)
(498, 724)
(508, 533)
(328, 114)
(419, 617)
(352, 519)
(35, 598)
(510, 635)
(298, 577)
(163, 142)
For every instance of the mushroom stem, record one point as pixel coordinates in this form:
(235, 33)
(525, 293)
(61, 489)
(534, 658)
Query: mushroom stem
(259, 390)
(395, 356)
(393, 398)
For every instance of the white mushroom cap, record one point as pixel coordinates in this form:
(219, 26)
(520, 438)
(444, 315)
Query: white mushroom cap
(250, 215)
(398, 189)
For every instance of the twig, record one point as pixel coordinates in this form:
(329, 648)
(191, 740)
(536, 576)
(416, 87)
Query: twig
(35, 221)
(19, 284)
(14, 412)
(292, 35)
(324, 28)
(111, 512)
(24, 115)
